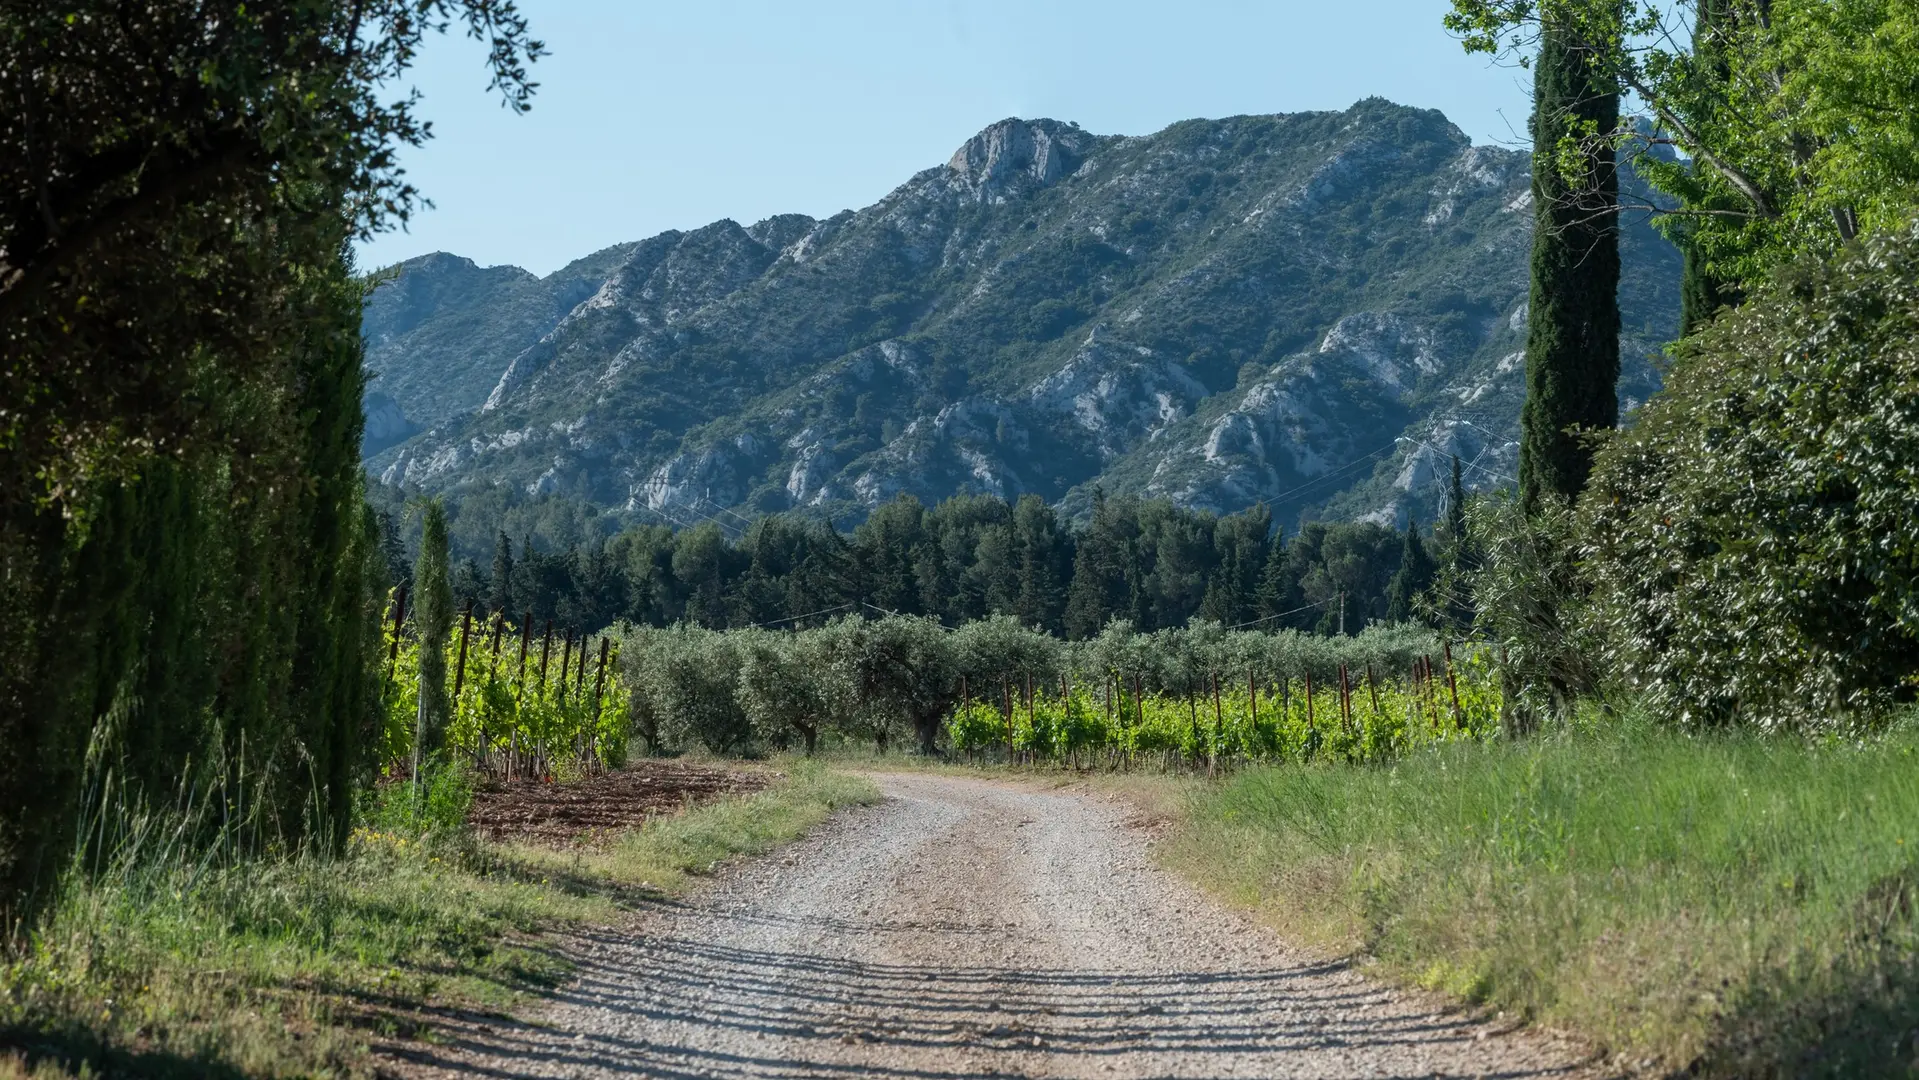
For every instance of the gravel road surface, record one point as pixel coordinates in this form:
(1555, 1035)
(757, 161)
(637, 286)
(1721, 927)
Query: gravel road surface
(965, 928)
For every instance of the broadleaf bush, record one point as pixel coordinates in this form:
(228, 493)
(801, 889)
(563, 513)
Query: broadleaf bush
(1752, 542)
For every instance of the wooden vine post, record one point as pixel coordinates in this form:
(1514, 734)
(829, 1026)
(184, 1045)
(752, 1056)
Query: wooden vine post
(1139, 702)
(1345, 702)
(579, 680)
(536, 752)
(546, 651)
(1459, 715)
(399, 618)
(1006, 703)
(1252, 701)
(459, 670)
(1432, 691)
(1311, 727)
(599, 688)
(1219, 725)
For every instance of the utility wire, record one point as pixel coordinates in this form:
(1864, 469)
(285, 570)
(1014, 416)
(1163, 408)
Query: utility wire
(903, 615)
(808, 615)
(1281, 615)
(1346, 468)
(1473, 464)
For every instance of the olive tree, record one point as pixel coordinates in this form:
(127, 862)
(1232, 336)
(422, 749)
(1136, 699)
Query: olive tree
(787, 684)
(896, 668)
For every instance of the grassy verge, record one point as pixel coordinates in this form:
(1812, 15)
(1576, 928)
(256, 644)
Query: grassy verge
(286, 968)
(1733, 905)
(668, 853)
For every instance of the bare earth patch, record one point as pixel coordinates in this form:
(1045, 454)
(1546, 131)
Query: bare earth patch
(559, 814)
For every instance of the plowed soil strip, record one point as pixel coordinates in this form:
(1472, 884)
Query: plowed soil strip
(962, 929)
(542, 812)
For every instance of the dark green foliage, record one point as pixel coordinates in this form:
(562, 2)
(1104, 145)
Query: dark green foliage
(1701, 291)
(1241, 550)
(1414, 577)
(1105, 574)
(432, 601)
(1045, 561)
(1752, 538)
(204, 628)
(499, 596)
(1455, 508)
(969, 558)
(889, 542)
(1278, 593)
(189, 573)
(1572, 337)
(1342, 572)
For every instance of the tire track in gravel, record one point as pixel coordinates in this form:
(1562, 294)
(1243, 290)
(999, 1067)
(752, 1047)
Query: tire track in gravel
(964, 928)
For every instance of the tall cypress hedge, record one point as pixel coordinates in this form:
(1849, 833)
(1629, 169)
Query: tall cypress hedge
(1572, 338)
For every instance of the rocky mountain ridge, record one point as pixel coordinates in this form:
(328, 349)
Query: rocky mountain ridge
(1311, 310)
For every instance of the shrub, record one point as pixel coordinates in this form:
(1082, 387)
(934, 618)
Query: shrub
(1753, 541)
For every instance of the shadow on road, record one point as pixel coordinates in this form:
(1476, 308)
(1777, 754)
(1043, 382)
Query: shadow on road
(809, 1007)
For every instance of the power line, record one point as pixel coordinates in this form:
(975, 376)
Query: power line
(1473, 464)
(1346, 468)
(808, 615)
(1281, 615)
(903, 615)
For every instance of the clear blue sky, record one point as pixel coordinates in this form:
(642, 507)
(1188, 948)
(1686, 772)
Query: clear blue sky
(655, 116)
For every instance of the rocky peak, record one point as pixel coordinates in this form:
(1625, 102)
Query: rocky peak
(1041, 151)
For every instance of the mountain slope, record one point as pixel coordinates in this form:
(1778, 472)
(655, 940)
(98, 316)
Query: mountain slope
(1226, 311)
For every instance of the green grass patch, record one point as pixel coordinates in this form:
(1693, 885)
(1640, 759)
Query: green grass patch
(1741, 905)
(667, 852)
(288, 967)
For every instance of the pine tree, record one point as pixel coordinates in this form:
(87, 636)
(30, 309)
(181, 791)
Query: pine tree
(1572, 339)
(1232, 592)
(1275, 590)
(1456, 510)
(433, 617)
(1100, 586)
(1415, 574)
(500, 595)
(1043, 560)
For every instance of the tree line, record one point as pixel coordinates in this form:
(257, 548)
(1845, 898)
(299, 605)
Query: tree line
(1149, 562)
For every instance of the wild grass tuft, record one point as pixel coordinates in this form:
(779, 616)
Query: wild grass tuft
(1742, 905)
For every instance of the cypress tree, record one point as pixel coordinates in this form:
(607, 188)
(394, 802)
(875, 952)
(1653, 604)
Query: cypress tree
(433, 614)
(1572, 338)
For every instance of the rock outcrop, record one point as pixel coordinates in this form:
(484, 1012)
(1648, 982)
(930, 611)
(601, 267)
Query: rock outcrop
(1312, 310)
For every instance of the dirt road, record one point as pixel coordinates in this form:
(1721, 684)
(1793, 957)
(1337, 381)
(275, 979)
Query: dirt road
(964, 928)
